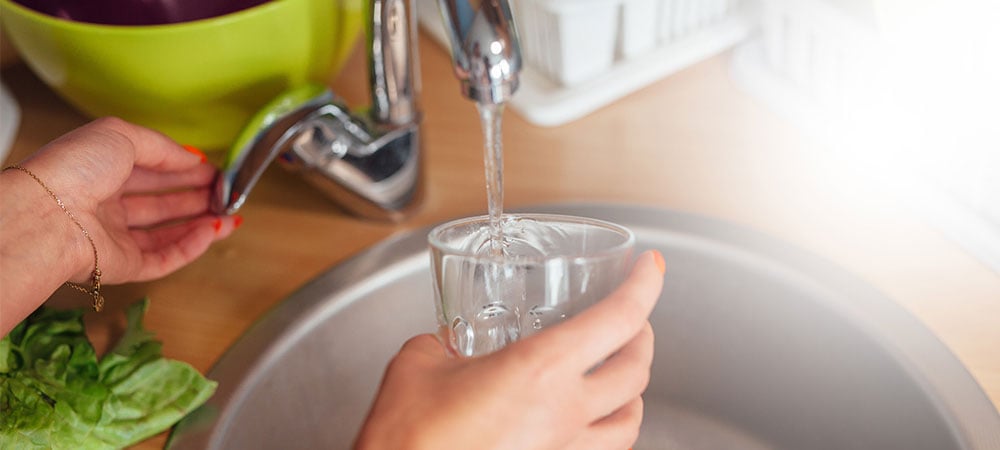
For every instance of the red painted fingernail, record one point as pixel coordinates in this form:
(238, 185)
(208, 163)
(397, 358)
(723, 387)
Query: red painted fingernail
(237, 221)
(660, 263)
(193, 149)
(217, 224)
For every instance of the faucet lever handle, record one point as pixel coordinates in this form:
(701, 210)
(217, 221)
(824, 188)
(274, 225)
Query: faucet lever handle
(260, 142)
(369, 163)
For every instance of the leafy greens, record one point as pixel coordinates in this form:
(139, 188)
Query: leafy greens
(55, 394)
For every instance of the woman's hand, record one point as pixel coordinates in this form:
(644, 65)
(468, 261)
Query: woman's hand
(142, 198)
(542, 392)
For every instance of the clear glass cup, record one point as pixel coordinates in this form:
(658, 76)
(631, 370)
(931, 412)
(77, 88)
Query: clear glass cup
(548, 268)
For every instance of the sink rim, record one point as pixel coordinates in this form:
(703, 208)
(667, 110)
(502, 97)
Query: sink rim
(971, 416)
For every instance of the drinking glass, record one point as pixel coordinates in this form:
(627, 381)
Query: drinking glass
(545, 269)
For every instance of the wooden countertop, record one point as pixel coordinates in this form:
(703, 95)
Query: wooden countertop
(691, 142)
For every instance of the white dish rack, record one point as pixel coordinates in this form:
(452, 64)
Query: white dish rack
(580, 55)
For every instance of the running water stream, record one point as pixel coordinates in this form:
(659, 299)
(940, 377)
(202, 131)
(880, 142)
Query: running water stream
(491, 115)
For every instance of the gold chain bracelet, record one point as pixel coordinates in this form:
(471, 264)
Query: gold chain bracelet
(95, 282)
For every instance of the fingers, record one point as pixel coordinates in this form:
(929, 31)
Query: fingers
(101, 155)
(167, 249)
(425, 345)
(149, 210)
(419, 351)
(622, 377)
(620, 429)
(616, 431)
(605, 327)
(152, 150)
(145, 180)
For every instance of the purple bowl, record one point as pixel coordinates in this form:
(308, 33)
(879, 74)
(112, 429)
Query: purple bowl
(137, 12)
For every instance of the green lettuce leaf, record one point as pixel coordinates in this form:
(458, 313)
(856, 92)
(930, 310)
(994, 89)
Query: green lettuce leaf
(55, 394)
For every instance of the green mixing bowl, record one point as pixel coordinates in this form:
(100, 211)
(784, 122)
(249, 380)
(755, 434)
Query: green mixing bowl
(199, 82)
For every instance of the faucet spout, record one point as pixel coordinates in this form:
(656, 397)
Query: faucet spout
(485, 49)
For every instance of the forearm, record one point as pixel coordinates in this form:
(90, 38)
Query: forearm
(38, 248)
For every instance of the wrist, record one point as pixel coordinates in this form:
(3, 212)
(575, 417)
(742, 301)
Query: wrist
(40, 246)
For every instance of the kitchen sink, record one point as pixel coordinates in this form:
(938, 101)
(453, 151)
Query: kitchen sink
(759, 345)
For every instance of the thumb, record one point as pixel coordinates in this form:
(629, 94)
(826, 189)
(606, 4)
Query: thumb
(426, 345)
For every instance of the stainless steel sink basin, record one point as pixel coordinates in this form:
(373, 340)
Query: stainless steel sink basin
(758, 346)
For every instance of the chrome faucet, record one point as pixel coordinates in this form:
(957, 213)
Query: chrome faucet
(369, 161)
(485, 48)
